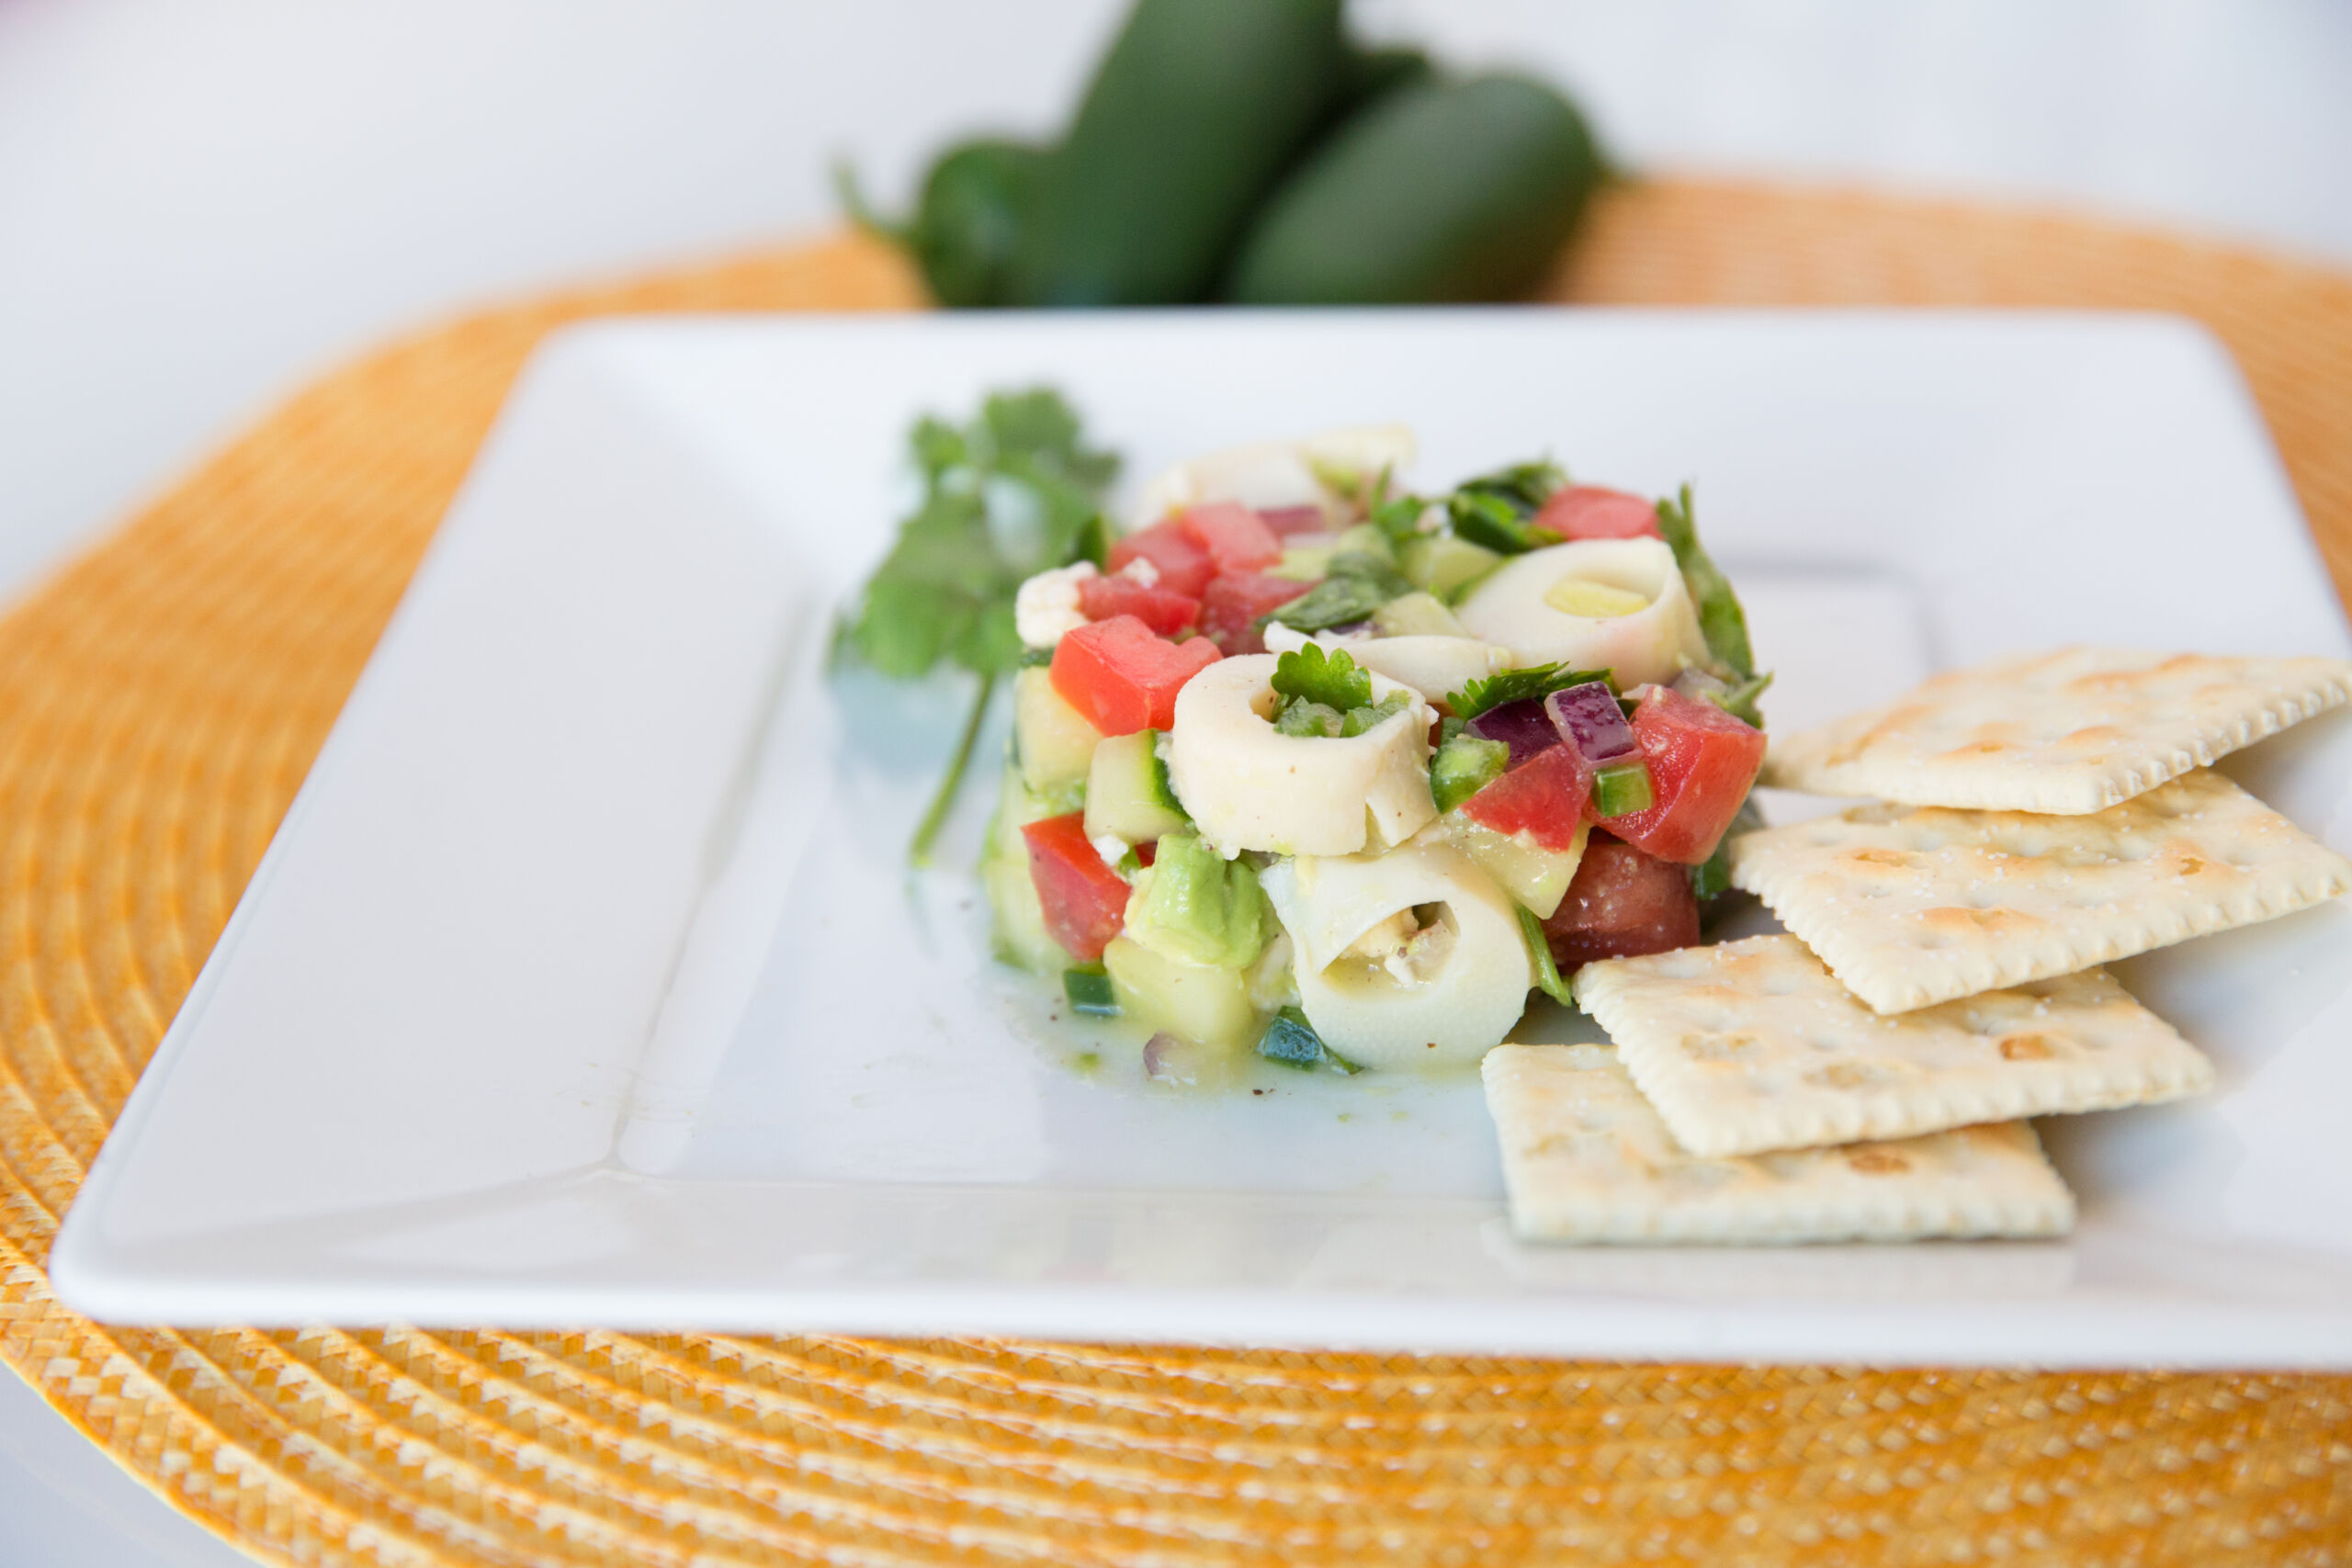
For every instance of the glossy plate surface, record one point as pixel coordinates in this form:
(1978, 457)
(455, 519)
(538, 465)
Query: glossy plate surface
(584, 983)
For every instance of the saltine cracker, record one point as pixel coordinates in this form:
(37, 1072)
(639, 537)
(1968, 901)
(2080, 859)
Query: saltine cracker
(1753, 1045)
(2069, 732)
(1910, 907)
(1587, 1159)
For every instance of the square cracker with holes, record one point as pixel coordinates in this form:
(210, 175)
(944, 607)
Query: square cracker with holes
(2070, 732)
(1587, 1159)
(1753, 1045)
(1914, 907)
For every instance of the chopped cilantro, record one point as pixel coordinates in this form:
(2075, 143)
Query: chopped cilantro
(1399, 518)
(1712, 875)
(1740, 701)
(1355, 585)
(1515, 685)
(1497, 510)
(1356, 720)
(1539, 953)
(1326, 696)
(1315, 676)
(1720, 617)
(1012, 493)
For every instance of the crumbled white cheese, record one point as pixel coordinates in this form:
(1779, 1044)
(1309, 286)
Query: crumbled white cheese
(1142, 570)
(1112, 848)
(1047, 606)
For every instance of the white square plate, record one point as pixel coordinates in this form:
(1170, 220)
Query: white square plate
(584, 983)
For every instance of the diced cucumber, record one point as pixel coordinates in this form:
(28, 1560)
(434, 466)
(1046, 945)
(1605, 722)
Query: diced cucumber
(1537, 877)
(1088, 990)
(1446, 565)
(1194, 1001)
(1053, 740)
(1464, 765)
(1128, 793)
(1019, 928)
(1421, 613)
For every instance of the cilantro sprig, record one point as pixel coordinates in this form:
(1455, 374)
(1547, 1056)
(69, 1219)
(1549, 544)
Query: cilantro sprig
(1721, 620)
(1014, 491)
(1515, 685)
(1328, 694)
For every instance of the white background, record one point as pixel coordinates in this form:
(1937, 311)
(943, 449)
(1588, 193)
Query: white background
(201, 205)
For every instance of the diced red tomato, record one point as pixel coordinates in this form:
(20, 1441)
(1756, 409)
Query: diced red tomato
(1589, 511)
(1543, 798)
(1230, 608)
(1288, 520)
(1164, 609)
(1123, 677)
(1622, 903)
(1236, 539)
(1185, 567)
(1701, 762)
(1085, 901)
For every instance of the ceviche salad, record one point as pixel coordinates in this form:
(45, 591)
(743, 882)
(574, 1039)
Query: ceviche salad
(1312, 764)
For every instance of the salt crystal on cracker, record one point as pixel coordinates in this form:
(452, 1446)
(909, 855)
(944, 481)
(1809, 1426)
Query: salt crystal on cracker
(1753, 1045)
(2069, 732)
(1587, 1159)
(1909, 907)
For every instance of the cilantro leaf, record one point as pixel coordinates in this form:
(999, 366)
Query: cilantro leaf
(1720, 617)
(1398, 519)
(1333, 679)
(1010, 493)
(1497, 510)
(1356, 720)
(1515, 685)
(1353, 586)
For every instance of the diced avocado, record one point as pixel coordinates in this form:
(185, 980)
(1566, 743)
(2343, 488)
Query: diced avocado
(1088, 990)
(1128, 793)
(1537, 877)
(1200, 1002)
(1446, 565)
(1053, 740)
(1464, 765)
(1421, 613)
(1193, 904)
(1366, 539)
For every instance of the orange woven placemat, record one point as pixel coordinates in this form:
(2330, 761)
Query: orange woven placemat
(161, 698)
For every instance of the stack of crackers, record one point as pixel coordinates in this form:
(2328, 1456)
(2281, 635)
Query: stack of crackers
(1869, 1074)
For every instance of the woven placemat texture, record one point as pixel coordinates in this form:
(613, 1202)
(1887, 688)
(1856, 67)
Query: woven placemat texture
(161, 698)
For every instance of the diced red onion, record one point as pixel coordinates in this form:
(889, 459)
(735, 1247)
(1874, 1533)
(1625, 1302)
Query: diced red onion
(1522, 726)
(1167, 1059)
(1289, 520)
(1586, 717)
(1697, 682)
